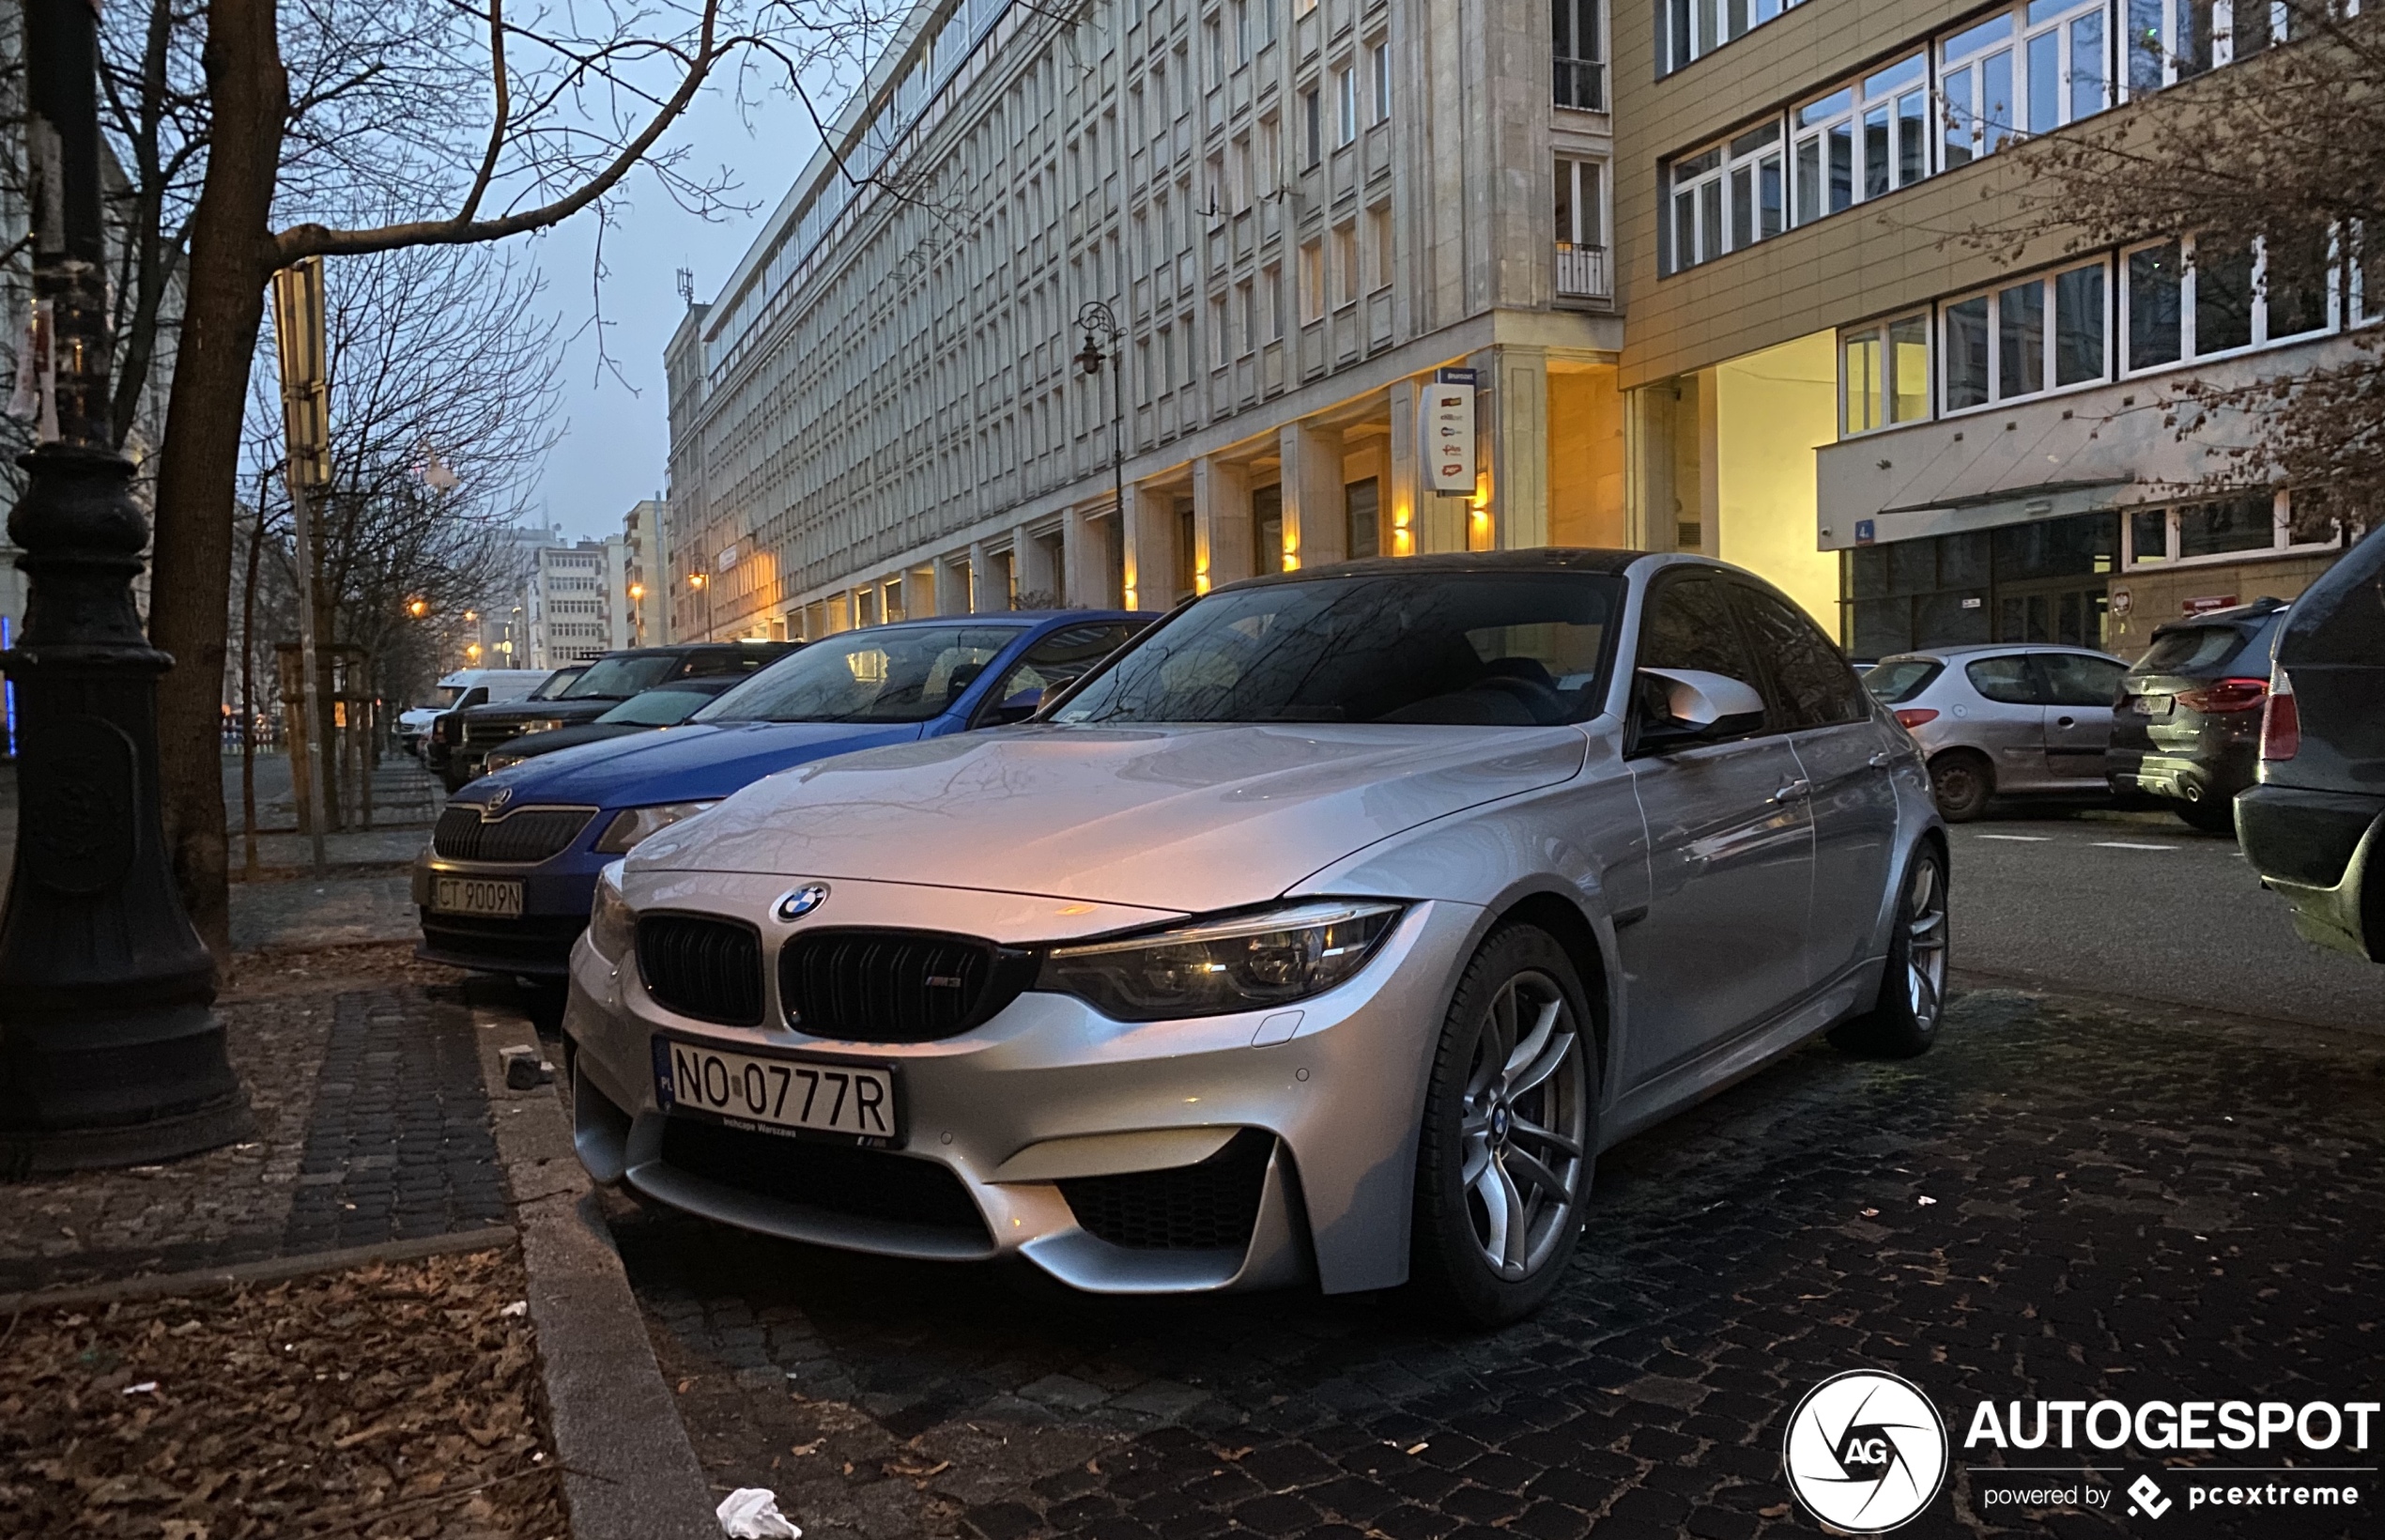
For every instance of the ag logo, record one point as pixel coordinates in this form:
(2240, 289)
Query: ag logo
(1866, 1452)
(803, 901)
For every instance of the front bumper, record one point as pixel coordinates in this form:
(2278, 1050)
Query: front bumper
(2322, 852)
(1038, 1133)
(555, 899)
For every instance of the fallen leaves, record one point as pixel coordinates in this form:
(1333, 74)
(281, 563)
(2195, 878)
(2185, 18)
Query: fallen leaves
(387, 1402)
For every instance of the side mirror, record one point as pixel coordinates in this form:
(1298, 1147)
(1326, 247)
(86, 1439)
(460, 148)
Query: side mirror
(1016, 709)
(1695, 703)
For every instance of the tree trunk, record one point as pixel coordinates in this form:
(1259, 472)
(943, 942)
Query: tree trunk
(232, 255)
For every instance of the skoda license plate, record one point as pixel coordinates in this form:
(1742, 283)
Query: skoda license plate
(810, 1095)
(477, 896)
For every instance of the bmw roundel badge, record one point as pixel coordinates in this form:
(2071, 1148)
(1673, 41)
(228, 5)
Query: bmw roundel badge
(803, 901)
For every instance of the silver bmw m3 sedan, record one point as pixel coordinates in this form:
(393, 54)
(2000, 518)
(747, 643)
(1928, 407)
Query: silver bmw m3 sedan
(1327, 931)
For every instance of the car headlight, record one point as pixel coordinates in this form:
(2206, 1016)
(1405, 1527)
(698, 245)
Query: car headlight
(612, 925)
(1210, 967)
(631, 824)
(502, 762)
(541, 724)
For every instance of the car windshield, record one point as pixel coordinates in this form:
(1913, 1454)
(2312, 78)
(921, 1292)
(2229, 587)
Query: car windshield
(2195, 647)
(886, 674)
(615, 678)
(556, 683)
(1476, 649)
(657, 708)
(1899, 679)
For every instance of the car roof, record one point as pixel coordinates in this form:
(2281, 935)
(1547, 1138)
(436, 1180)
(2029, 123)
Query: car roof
(1540, 559)
(1978, 649)
(2238, 614)
(1011, 617)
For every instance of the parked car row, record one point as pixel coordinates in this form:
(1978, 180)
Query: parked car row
(1327, 929)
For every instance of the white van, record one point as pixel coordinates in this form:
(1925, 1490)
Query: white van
(466, 688)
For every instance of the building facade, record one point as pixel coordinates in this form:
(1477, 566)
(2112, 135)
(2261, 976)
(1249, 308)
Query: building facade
(1314, 221)
(646, 569)
(578, 605)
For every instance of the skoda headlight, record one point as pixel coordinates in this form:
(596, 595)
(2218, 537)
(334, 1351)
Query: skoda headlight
(1235, 963)
(631, 824)
(612, 925)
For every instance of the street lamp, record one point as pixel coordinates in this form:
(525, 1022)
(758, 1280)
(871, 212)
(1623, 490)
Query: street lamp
(1097, 317)
(111, 1052)
(698, 581)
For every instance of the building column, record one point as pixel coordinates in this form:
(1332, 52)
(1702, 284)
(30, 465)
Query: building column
(985, 592)
(919, 595)
(953, 578)
(1081, 551)
(1511, 437)
(1315, 521)
(1403, 521)
(1221, 522)
(1150, 549)
(1032, 570)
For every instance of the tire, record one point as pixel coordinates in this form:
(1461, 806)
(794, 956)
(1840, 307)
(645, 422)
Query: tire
(1961, 781)
(1913, 987)
(1485, 1094)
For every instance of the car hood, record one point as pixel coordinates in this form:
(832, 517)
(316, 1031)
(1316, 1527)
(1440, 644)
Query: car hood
(1179, 818)
(695, 761)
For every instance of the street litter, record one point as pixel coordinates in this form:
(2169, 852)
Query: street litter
(751, 1513)
(520, 1307)
(1926, 1201)
(147, 1387)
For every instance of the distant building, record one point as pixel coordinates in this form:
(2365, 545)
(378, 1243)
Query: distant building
(578, 607)
(646, 580)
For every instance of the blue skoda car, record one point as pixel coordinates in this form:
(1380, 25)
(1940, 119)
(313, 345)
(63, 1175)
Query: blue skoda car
(506, 883)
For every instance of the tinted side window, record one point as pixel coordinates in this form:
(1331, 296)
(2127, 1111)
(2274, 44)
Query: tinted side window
(1062, 659)
(2008, 680)
(2073, 679)
(1688, 624)
(1814, 681)
(697, 665)
(1901, 679)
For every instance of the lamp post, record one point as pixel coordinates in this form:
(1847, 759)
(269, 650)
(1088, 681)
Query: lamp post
(111, 1052)
(702, 585)
(1092, 317)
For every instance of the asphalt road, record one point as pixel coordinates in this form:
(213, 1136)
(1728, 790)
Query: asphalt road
(2144, 907)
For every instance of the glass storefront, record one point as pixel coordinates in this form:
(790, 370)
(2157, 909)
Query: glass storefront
(2039, 581)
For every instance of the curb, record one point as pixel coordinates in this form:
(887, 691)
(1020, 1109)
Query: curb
(629, 1472)
(271, 1270)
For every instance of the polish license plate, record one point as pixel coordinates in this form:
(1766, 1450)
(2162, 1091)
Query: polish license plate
(811, 1096)
(2156, 706)
(477, 896)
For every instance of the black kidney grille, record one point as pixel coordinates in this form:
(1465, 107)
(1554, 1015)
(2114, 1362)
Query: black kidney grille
(710, 969)
(838, 1178)
(1208, 1207)
(522, 837)
(896, 986)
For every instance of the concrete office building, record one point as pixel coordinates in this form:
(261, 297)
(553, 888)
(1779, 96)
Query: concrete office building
(1297, 209)
(1302, 211)
(578, 602)
(644, 532)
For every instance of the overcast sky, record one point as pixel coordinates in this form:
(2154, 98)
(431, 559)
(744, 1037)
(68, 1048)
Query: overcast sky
(615, 428)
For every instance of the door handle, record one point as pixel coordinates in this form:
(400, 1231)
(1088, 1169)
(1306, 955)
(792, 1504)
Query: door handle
(1791, 791)
(2066, 721)
(1880, 761)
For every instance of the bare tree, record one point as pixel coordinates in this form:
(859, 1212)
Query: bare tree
(2282, 151)
(334, 129)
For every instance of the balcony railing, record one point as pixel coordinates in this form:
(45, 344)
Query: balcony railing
(1581, 273)
(1581, 84)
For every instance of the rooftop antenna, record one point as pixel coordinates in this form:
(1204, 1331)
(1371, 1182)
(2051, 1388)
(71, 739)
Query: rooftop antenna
(686, 281)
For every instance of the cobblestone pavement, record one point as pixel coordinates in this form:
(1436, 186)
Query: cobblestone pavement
(371, 1125)
(2060, 1201)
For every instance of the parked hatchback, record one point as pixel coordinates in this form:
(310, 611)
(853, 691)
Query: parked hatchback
(2188, 731)
(2315, 827)
(2004, 720)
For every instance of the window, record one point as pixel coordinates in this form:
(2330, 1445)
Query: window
(2022, 339)
(1275, 316)
(1975, 88)
(1271, 155)
(1217, 334)
(1241, 32)
(1344, 106)
(1573, 41)
(1378, 227)
(1312, 281)
(1214, 35)
(2076, 679)
(1246, 320)
(1884, 374)
(2199, 298)
(1380, 69)
(1237, 176)
(2063, 62)
(1864, 141)
(2168, 43)
(1753, 168)
(1693, 28)
(2232, 526)
(1346, 263)
(1696, 225)
(2009, 680)
(1578, 220)
(1362, 505)
(1219, 198)
(1689, 625)
(1311, 129)
(1811, 676)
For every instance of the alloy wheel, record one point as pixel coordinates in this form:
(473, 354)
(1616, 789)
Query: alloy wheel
(1523, 1125)
(1926, 943)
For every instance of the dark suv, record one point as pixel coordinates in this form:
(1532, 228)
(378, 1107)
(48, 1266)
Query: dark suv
(2315, 827)
(2187, 728)
(610, 680)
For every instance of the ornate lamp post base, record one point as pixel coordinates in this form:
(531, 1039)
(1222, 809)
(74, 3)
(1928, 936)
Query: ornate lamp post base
(111, 1052)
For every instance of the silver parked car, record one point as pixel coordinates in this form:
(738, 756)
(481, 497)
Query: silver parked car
(1327, 930)
(2004, 720)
